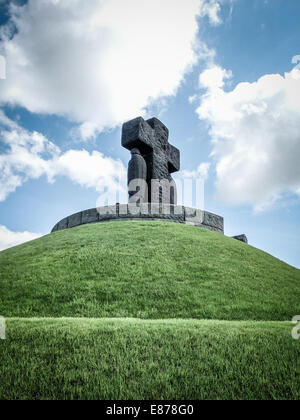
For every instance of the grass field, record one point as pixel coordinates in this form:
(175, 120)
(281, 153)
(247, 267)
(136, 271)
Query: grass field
(147, 270)
(137, 359)
(132, 310)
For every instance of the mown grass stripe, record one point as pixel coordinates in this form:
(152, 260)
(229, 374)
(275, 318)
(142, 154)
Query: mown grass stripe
(138, 359)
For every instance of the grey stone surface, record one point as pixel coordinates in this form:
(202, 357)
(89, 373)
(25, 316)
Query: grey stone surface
(170, 211)
(75, 220)
(241, 238)
(134, 210)
(178, 211)
(108, 212)
(155, 209)
(195, 216)
(63, 224)
(149, 142)
(166, 209)
(146, 211)
(123, 210)
(90, 216)
(137, 178)
(213, 220)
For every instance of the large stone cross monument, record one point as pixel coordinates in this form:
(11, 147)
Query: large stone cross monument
(152, 191)
(153, 161)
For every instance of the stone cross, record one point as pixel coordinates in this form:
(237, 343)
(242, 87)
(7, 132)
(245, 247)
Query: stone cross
(153, 158)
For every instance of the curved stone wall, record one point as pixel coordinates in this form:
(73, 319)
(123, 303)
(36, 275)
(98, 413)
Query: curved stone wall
(163, 212)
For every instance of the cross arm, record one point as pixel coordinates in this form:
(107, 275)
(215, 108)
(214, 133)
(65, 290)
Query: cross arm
(173, 159)
(137, 133)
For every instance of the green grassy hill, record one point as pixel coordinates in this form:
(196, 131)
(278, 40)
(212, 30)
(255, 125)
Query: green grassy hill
(147, 310)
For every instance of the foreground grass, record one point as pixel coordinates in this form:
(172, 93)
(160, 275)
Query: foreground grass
(150, 271)
(135, 359)
(146, 270)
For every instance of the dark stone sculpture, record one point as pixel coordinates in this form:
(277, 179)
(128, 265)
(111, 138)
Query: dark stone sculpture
(137, 169)
(148, 142)
(242, 238)
(154, 196)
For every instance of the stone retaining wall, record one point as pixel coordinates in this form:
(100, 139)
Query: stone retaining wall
(163, 212)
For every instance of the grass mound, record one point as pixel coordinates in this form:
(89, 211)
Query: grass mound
(145, 270)
(132, 310)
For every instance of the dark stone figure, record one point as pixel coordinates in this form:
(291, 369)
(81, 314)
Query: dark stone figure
(241, 238)
(137, 170)
(153, 160)
(148, 142)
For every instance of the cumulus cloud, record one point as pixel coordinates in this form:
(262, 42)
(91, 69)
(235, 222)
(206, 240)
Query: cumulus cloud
(98, 62)
(9, 239)
(30, 155)
(200, 172)
(255, 131)
(91, 170)
(214, 78)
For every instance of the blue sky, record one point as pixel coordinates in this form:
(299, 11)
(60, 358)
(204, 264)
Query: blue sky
(219, 74)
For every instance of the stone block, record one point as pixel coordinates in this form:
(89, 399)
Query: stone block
(145, 209)
(137, 133)
(134, 210)
(123, 210)
(167, 210)
(75, 220)
(213, 220)
(90, 216)
(63, 224)
(178, 210)
(107, 212)
(173, 212)
(155, 209)
(195, 216)
(241, 238)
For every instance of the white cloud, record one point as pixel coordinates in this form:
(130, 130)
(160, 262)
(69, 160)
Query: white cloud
(212, 9)
(255, 130)
(214, 78)
(99, 62)
(2, 68)
(200, 172)
(29, 155)
(90, 170)
(9, 239)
